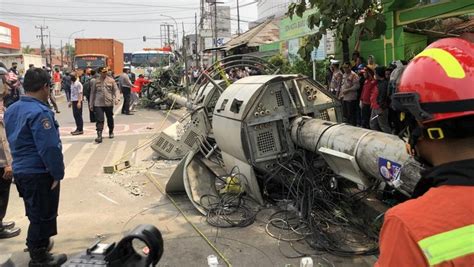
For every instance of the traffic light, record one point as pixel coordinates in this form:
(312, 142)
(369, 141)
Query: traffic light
(144, 38)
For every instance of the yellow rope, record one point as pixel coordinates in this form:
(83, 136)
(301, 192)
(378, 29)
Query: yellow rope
(160, 188)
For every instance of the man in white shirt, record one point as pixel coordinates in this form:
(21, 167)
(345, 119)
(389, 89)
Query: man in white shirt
(76, 103)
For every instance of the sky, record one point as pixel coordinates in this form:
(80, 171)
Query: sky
(126, 21)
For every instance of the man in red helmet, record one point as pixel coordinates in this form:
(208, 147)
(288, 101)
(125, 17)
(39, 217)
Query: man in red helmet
(436, 96)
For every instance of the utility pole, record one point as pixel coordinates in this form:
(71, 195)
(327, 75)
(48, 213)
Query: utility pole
(165, 30)
(238, 18)
(168, 34)
(186, 80)
(50, 53)
(62, 62)
(215, 29)
(197, 38)
(41, 36)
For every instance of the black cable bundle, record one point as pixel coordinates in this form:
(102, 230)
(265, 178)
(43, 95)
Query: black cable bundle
(316, 209)
(229, 209)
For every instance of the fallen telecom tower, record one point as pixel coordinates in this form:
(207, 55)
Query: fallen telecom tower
(242, 137)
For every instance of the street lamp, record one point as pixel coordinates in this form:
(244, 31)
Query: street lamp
(69, 45)
(176, 29)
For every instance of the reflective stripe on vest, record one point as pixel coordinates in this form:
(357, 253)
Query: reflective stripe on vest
(448, 245)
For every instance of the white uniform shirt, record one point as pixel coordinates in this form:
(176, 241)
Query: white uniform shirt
(76, 89)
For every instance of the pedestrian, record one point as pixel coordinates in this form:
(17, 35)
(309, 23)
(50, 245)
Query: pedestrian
(348, 94)
(336, 79)
(379, 116)
(12, 90)
(52, 99)
(370, 86)
(136, 90)
(7, 229)
(87, 93)
(394, 81)
(66, 85)
(57, 81)
(435, 227)
(125, 86)
(76, 104)
(38, 166)
(371, 62)
(104, 94)
(14, 68)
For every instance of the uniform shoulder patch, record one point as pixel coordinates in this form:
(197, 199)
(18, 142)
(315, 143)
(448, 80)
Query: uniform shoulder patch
(46, 123)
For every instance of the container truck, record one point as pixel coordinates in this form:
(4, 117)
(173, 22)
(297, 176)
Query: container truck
(95, 53)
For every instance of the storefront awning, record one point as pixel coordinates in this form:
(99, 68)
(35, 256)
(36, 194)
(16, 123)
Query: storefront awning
(264, 33)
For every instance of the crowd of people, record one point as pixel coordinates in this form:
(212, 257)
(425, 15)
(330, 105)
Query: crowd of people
(365, 91)
(97, 87)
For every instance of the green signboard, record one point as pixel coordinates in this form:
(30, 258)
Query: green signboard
(296, 27)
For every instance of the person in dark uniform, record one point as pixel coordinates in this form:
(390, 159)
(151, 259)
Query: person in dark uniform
(38, 165)
(87, 93)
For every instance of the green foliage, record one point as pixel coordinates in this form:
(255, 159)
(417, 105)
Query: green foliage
(300, 66)
(27, 50)
(339, 16)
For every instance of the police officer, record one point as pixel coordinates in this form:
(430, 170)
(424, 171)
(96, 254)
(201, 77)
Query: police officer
(38, 166)
(104, 93)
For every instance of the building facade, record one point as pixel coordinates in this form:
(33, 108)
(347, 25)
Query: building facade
(9, 39)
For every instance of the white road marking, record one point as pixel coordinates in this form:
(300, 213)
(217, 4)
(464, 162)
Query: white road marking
(115, 153)
(76, 165)
(92, 137)
(108, 198)
(66, 147)
(118, 108)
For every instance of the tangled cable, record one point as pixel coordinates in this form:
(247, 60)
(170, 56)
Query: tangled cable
(315, 209)
(229, 209)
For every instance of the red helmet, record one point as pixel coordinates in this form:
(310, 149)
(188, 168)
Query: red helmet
(438, 84)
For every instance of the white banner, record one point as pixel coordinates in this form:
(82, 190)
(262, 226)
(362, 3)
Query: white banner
(5, 35)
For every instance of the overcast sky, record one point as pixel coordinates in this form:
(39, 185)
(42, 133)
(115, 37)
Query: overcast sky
(126, 21)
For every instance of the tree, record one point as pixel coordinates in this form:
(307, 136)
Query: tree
(340, 16)
(27, 50)
(70, 52)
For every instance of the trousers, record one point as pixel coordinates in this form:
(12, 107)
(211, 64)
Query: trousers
(379, 120)
(41, 206)
(99, 116)
(77, 113)
(52, 99)
(126, 91)
(349, 110)
(365, 116)
(91, 113)
(4, 194)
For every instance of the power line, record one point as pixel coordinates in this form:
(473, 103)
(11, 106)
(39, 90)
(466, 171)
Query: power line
(108, 5)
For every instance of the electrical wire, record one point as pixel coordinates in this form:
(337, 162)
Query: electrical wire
(313, 211)
(229, 209)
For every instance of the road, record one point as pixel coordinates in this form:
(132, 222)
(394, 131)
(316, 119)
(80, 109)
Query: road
(95, 205)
